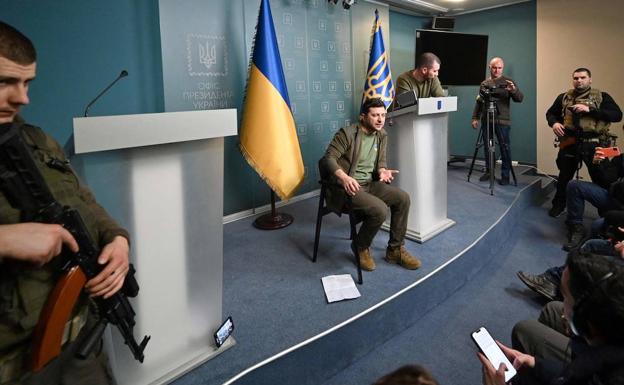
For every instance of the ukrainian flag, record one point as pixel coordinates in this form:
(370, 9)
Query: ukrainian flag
(268, 137)
(378, 78)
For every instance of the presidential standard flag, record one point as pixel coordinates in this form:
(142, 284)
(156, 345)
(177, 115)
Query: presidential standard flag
(268, 137)
(378, 78)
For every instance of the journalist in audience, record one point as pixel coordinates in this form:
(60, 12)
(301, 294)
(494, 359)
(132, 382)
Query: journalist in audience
(606, 192)
(579, 341)
(607, 240)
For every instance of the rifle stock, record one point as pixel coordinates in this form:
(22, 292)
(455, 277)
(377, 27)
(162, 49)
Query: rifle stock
(48, 335)
(566, 141)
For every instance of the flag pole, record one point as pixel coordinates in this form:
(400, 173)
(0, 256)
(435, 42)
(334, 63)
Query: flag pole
(273, 220)
(275, 156)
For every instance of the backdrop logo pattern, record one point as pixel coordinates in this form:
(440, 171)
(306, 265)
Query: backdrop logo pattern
(207, 55)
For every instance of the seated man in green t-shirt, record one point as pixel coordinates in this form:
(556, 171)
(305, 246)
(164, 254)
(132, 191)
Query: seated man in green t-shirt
(356, 160)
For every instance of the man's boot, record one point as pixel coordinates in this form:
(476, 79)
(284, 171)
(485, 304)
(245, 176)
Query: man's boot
(366, 261)
(540, 284)
(401, 256)
(557, 209)
(576, 236)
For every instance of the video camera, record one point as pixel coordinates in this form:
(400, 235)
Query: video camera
(492, 92)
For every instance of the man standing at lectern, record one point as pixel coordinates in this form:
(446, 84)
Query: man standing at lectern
(356, 162)
(423, 79)
(28, 250)
(503, 89)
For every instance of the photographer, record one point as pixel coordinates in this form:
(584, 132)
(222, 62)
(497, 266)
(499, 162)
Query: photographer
(579, 341)
(500, 89)
(580, 119)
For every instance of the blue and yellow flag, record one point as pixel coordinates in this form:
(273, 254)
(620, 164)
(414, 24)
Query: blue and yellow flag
(378, 78)
(268, 137)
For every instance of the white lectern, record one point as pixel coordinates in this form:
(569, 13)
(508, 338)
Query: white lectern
(171, 183)
(418, 148)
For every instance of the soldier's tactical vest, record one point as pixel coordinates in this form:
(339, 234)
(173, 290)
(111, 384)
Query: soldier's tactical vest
(591, 98)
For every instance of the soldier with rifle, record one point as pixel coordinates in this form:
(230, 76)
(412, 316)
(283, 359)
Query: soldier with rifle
(62, 257)
(580, 119)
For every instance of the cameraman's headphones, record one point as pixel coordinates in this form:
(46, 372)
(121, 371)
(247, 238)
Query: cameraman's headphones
(578, 324)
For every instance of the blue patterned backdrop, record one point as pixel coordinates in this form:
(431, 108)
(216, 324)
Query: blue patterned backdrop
(206, 48)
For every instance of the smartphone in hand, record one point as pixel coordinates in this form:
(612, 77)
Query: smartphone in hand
(492, 351)
(610, 152)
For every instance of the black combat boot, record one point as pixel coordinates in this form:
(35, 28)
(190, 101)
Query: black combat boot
(576, 236)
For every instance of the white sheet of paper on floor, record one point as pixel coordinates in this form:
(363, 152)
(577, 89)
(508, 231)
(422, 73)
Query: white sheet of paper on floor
(339, 287)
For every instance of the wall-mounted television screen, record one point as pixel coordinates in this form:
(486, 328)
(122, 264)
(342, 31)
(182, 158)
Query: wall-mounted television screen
(464, 56)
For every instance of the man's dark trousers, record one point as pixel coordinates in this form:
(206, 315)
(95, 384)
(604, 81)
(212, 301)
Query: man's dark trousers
(568, 160)
(371, 205)
(502, 135)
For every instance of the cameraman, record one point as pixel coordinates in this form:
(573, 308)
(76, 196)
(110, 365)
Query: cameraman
(580, 118)
(501, 89)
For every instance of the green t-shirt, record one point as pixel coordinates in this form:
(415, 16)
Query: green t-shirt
(425, 89)
(367, 157)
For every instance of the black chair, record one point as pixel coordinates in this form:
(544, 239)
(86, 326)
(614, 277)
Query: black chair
(324, 210)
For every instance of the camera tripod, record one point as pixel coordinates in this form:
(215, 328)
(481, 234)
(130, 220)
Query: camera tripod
(486, 138)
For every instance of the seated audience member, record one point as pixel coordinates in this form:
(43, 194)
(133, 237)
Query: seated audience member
(547, 283)
(593, 311)
(605, 193)
(355, 161)
(407, 375)
(529, 336)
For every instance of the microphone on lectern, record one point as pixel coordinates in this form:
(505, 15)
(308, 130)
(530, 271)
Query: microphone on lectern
(122, 74)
